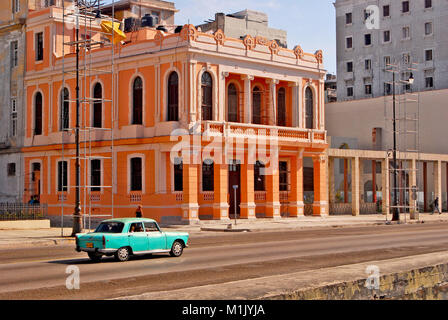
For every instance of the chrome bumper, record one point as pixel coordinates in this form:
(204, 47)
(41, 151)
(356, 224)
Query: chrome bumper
(96, 250)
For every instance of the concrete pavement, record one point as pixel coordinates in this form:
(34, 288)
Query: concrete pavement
(53, 236)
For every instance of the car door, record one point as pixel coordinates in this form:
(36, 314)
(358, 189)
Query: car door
(157, 239)
(138, 239)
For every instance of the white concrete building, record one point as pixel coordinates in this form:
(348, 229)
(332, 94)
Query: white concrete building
(245, 22)
(374, 33)
(12, 68)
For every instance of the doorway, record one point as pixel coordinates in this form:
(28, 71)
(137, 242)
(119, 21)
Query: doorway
(234, 179)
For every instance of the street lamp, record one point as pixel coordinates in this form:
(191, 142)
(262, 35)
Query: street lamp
(77, 221)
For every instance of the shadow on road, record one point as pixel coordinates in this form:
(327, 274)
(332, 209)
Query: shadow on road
(87, 261)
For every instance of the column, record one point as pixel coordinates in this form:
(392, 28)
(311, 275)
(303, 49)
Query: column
(192, 92)
(247, 206)
(345, 180)
(272, 104)
(273, 190)
(374, 199)
(321, 105)
(361, 184)
(221, 115)
(355, 187)
(438, 182)
(296, 193)
(247, 98)
(295, 104)
(220, 205)
(300, 105)
(425, 186)
(331, 189)
(413, 182)
(320, 206)
(385, 185)
(190, 207)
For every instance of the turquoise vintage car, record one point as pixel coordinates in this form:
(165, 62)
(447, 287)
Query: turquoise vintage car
(130, 236)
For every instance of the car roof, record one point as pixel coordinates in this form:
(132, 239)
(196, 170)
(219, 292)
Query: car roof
(129, 220)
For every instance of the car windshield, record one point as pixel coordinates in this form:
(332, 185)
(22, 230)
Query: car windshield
(110, 227)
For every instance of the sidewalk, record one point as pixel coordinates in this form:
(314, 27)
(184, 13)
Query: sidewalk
(52, 236)
(398, 277)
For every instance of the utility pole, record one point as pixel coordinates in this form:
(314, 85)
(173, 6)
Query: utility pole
(77, 221)
(396, 212)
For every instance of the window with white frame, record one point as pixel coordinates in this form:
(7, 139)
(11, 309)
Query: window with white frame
(62, 176)
(386, 36)
(406, 32)
(405, 6)
(39, 46)
(428, 28)
(136, 174)
(348, 18)
(428, 55)
(349, 43)
(368, 64)
(95, 175)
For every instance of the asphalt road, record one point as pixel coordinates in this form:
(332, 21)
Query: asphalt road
(40, 273)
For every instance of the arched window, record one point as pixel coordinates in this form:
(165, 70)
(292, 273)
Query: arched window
(97, 106)
(137, 101)
(281, 107)
(256, 106)
(173, 97)
(38, 114)
(207, 101)
(309, 108)
(64, 110)
(232, 104)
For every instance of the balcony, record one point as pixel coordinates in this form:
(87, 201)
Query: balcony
(284, 134)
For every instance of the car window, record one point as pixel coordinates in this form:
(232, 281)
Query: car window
(151, 227)
(136, 227)
(110, 227)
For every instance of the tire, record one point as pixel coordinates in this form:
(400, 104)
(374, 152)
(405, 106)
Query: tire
(177, 249)
(95, 257)
(122, 254)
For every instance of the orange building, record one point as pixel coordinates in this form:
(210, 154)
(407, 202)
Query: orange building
(191, 115)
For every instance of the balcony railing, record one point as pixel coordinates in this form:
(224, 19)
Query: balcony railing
(228, 129)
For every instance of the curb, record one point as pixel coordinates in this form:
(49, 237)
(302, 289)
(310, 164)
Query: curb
(33, 243)
(226, 230)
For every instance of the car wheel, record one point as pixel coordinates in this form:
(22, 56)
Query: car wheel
(95, 257)
(122, 254)
(177, 249)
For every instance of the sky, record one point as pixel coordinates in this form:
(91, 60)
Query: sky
(310, 24)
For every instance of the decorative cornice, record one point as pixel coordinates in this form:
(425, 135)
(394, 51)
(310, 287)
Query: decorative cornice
(249, 42)
(261, 41)
(247, 77)
(274, 47)
(220, 37)
(159, 37)
(298, 51)
(189, 32)
(319, 56)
